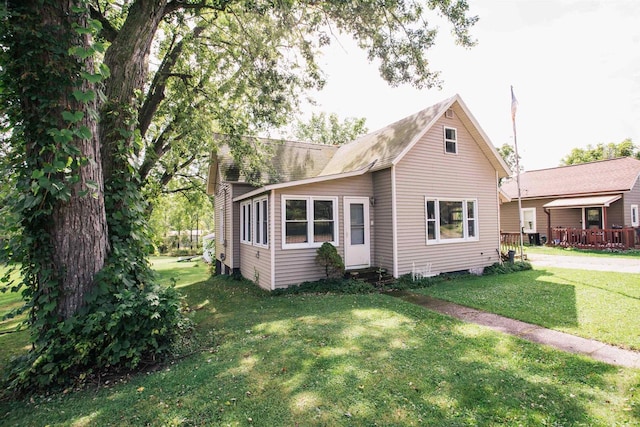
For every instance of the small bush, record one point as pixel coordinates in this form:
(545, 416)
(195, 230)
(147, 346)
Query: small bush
(506, 268)
(336, 286)
(114, 331)
(327, 257)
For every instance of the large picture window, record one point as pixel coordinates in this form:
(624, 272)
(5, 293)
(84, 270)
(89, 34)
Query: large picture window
(309, 221)
(451, 220)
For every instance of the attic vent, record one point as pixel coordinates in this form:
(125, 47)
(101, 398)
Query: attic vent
(449, 114)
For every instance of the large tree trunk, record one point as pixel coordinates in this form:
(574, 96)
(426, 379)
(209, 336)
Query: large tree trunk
(76, 224)
(128, 61)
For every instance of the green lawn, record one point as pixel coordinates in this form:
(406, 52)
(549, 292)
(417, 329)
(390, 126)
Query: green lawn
(169, 271)
(550, 250)
(346, 360)
(601, 305)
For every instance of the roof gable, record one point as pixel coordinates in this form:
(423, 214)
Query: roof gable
(387, 146)
(603, 176)
(290, 161)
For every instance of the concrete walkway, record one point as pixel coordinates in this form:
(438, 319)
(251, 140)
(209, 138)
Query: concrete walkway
(620, 265)
(595, 349)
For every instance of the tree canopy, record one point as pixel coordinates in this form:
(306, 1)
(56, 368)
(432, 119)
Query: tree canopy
(601, 151)
(327, 129)
(102, 98)
(508, 153)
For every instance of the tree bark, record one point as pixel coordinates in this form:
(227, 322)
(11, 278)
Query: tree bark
(77, 226)
(128, 61)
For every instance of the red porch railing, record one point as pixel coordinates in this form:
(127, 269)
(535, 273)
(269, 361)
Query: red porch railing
(617, 238)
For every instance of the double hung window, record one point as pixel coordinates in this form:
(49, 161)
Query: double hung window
(309, 221)
(245, 222)
(261, 223)
(450, 140)
(635, 220)
(451, 220)
(254, 222)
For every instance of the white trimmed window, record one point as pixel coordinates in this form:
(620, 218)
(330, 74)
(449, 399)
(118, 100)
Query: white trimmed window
(529, 220)
(261, 222)
(635, 220)
(245, 222)
(454, 220)
(450, 140)
(308, 221)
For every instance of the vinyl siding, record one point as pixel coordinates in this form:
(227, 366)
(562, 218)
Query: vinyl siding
(294, 266)
(255, 261)
(222, 210)
(631, 198)
(509, 219)
(228, 240)
(382, 231)
(570, 217)
(615, 214)
(427, 171)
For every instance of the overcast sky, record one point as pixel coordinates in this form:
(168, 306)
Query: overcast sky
(574, 65)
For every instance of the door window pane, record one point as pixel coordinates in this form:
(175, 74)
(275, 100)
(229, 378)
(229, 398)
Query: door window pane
(357, 224)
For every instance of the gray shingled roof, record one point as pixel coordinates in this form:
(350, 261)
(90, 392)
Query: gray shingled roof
(604, 176)
(385, 145)
(287, 161)
(293, 161)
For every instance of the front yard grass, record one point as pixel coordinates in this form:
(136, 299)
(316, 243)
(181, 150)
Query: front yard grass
(345, 360)
(556, 250)
(598, 305)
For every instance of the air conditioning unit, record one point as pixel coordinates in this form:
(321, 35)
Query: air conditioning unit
(449, 114)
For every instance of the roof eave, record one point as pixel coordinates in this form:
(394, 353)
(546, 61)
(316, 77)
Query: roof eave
(314, 180)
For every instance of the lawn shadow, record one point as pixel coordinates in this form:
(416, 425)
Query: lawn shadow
(346, 360)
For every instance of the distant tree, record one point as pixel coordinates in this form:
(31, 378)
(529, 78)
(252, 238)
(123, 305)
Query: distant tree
(329, 130)
(602, 151)
(508, 153)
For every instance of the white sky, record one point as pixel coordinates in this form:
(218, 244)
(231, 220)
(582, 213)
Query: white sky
(574, 66)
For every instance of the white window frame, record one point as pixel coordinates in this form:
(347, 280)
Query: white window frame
(453, 141)
(260, 217)
(534, 227)
(246, 219)
(465, 220)
(310, 221)
(635, 218)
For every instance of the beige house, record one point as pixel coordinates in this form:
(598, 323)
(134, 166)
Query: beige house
(601, 195)
(420, 192)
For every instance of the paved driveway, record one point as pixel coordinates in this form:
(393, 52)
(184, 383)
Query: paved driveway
(621, 265)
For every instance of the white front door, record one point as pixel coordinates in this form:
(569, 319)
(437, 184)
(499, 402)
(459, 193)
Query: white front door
(357, 247)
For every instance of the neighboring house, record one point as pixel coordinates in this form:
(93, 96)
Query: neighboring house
(420, 192)
(589, 196)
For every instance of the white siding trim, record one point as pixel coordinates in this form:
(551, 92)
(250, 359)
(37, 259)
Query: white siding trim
(272, 236)
(394, 220)
(498, 207)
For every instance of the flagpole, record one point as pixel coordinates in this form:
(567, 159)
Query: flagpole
(514, 106)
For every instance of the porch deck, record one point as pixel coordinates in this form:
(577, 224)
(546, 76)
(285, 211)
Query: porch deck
(594, 238)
